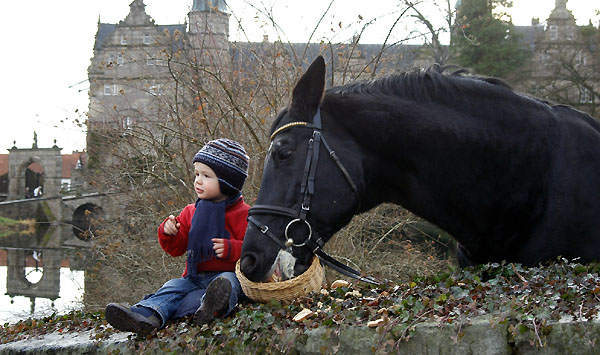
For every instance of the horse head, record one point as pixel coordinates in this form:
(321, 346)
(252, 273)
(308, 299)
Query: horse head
(308, 190)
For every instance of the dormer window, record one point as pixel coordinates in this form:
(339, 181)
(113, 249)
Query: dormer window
(553, 32)
(123, 40)
(147, 38)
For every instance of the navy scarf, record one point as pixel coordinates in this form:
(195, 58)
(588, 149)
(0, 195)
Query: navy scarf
(208, 222)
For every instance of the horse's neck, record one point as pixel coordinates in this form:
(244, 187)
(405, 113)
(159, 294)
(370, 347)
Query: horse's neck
(390, 146)
(432, 161)
(403, 152)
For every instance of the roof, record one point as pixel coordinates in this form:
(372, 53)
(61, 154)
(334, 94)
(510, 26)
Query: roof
(69, 162)
(202, 5)
(3, 164)
(105, 30)
(529, 34)
(400, 57)
(36, 168)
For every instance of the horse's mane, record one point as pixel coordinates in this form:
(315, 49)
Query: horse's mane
(449, 84)
(435, 83)
(419, 85)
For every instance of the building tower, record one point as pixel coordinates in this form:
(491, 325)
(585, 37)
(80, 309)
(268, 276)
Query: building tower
(209, 32)
(561, 23)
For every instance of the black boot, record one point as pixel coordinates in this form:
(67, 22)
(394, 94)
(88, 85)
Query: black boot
(216, 301)
(123, 318)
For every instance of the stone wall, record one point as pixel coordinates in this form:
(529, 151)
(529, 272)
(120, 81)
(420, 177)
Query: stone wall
(30, 208)
(479, 337)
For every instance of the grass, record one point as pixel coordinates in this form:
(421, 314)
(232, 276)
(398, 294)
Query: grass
(10, 226)
(390, 243)
(528, 300)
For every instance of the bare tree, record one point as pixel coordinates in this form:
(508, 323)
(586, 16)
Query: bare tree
(198, 92)
(433, 31)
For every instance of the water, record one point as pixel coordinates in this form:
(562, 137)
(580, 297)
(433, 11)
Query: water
(19, 307)
(43, 259)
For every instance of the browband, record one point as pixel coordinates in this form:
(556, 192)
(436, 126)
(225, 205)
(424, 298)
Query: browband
(286, 126)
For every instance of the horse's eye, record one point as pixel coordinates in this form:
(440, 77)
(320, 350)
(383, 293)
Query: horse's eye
(284, 154)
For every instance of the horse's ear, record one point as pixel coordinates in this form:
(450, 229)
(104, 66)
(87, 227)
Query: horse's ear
(308, 93)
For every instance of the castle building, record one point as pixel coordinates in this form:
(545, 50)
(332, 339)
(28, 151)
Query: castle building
(564, 59)
(127, 68)
(129, 72)
(131, 77)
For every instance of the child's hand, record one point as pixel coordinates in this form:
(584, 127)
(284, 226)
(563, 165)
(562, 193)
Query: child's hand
(219, 247)
(171, 226)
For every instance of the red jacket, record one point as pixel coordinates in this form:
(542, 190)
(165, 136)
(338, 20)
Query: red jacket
(235, 223)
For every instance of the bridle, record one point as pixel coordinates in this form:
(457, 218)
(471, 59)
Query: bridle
(313, 241)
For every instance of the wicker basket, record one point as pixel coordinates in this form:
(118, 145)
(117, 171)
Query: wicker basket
(287, 290)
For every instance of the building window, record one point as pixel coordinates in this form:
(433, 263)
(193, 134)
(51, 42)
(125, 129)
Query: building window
(553, 32)
(581, 59)
(586, 96)
(110, 89)
(123, 40)
(156, 90)
(149, 60)
(147, 38)
(544, 56)
(111, 60)
(127, 123)
(120, 59)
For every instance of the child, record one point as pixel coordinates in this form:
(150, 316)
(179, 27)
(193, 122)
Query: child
(211, 231)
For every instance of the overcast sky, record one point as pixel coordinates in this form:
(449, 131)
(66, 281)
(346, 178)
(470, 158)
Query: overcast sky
(48, 46)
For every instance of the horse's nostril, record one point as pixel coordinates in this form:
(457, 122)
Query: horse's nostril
(299, 269)
(248, 264)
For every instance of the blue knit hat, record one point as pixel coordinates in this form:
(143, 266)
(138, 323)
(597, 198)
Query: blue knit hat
(228, 160)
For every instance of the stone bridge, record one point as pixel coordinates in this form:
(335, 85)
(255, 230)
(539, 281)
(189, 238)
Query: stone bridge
(64, 205)
(71, 216)
(63, 227)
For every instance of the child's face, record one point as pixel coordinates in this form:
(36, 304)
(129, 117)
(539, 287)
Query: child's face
(206, 184)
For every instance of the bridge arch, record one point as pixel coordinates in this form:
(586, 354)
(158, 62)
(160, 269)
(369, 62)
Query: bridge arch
(48, 286)
(86, 219)
(34, 173)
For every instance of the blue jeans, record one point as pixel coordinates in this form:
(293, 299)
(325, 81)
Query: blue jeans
(183, 296)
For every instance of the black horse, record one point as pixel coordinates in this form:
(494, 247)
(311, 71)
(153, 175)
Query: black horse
(509, 176)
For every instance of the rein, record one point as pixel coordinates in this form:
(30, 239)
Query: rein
(313, 241)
